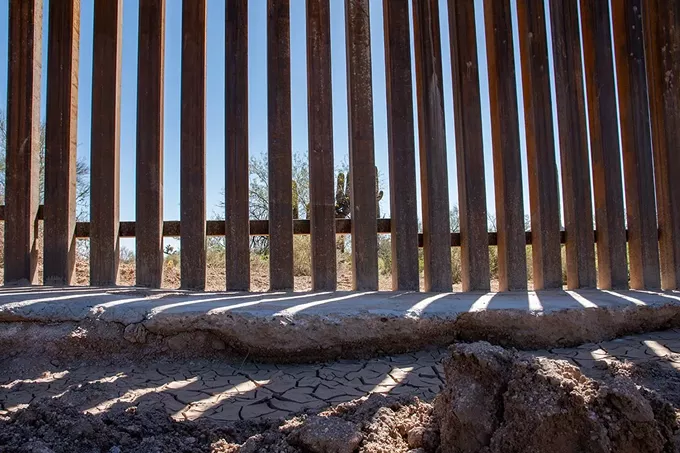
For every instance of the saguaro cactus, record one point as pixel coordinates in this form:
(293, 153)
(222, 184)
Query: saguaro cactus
(296, 209)
(342, 195)
(343, 201)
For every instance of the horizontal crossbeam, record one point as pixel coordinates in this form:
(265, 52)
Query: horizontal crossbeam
(171, 228)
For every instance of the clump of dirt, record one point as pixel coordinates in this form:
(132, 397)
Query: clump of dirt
(499, 400)
(391, 425)
(54, 426)
(373, 424)
(659, 376)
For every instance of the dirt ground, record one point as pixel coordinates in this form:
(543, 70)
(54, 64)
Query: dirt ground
(216, 278)
(373, 424)
(259, 277)
(388, 422)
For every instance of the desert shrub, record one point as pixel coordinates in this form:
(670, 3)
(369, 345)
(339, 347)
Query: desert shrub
(384, 254)
(302, 256)
(127, 256)
(530, 263)
(493, 262)
(172, 256)
(2, 244)
(215, 256)
(83, 250)
(456, 265)
(564, 264)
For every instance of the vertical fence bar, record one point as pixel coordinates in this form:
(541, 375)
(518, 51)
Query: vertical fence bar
(320, 117)
(105, 152)
(643, 237)
(512, 268)
(401, 147)
(60, 142)
(192, 171)
(237, 240)
(23, 141)
(149, 228)
(432, 141)
(571, 118)
(662, 52)
(540, 143)
(474, 241)
(280, 153)
(612, 261)
(361, 157)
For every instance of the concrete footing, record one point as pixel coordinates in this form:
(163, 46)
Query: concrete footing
(295, 327)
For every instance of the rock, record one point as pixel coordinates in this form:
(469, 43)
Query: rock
(188, 341)
(468, 410)
(82, 428)
(222, 446)
(218, 345)
(415, 437)
(135, 333)
(252, 445)
(504, 401)
(327, 435)
(37, 447)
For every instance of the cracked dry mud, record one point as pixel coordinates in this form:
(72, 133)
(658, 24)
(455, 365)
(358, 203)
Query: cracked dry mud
(217, 390)
(203, 405)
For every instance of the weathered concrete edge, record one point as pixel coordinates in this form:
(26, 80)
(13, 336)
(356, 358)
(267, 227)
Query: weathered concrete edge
(314, 337)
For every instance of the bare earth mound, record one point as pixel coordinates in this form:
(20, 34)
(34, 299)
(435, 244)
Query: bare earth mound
(503, 401)
(374, 424)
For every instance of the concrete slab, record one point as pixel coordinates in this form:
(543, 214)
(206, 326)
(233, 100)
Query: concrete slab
(298, 326)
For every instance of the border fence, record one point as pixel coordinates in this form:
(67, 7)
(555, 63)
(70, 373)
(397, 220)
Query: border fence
(617, 96)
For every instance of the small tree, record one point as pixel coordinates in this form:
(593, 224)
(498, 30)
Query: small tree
(259, 198)
(82, 172)
(493, 225)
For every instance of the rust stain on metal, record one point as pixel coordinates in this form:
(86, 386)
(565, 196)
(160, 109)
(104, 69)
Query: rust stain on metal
(469, 146)
(280, 152)
(237, 241)
(192, 145)
(512, 270)
(662, 52)
(361, 152)
(432, 141)
(321, 173)
(401, 146)
(571, 117)
(643, 246)
(149, 171)
(541, 160)
(60, 142)
(105, 152)
(23, 142)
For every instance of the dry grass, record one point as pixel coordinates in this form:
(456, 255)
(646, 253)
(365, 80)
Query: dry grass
(259, 267)
(259, 277)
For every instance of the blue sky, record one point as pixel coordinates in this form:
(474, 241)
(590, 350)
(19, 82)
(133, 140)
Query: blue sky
(257, 95)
